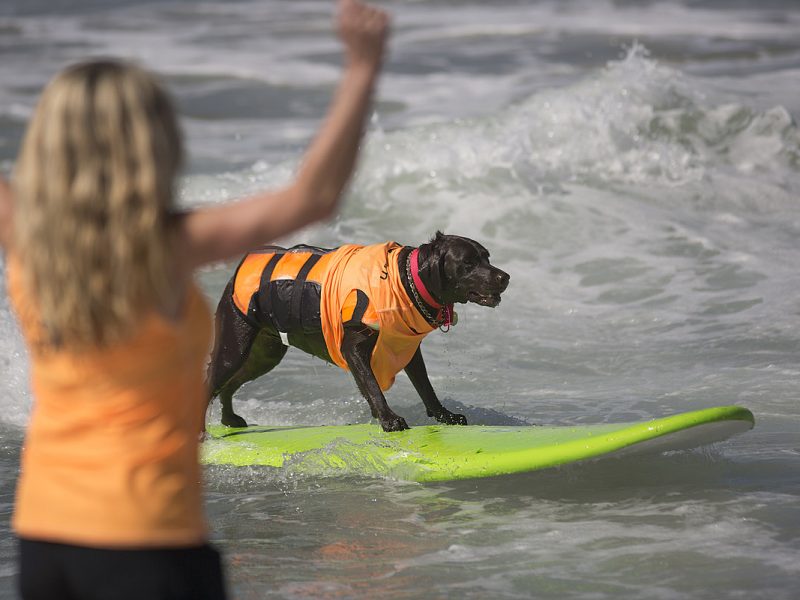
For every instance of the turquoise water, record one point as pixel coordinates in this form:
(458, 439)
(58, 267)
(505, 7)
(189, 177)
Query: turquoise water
(635, 167)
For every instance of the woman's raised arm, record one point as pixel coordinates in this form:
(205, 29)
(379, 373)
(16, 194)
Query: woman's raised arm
(225, 231)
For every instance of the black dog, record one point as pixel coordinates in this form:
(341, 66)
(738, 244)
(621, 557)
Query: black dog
(365, 308)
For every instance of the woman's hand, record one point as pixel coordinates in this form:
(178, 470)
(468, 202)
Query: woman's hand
(364, 30)
(225, 231)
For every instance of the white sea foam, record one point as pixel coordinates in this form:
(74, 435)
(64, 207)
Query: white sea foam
(15, 397)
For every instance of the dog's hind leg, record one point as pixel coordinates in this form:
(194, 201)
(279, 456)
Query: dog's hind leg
(264, 355)
(418, 375)
(241, 353)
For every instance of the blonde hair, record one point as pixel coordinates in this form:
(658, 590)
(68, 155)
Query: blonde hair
(94, 195)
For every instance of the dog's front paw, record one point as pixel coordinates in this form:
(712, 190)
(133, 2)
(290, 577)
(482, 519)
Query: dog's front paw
(449, 418)
(233, 420)
(394, 423)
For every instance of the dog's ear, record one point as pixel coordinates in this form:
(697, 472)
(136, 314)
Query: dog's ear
(437, 238)
(435, 247)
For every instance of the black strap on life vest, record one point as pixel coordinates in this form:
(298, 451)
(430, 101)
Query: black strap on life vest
(362, 303)
(296, 305)
(261, 303)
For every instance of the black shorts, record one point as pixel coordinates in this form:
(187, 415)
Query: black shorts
(49, 570)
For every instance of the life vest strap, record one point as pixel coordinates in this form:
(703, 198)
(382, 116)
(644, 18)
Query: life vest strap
(295, 307)
(256, 308)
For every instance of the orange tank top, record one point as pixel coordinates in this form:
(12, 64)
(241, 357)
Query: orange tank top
(111, 451)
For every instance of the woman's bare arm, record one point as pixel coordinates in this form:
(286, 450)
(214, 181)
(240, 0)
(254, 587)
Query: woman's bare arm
(225, 231)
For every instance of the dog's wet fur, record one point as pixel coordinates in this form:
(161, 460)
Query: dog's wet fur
(454, 269)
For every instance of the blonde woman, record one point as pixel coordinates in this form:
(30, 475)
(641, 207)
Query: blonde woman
(99, 268)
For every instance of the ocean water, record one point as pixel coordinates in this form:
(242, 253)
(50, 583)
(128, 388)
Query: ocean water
(635, 167)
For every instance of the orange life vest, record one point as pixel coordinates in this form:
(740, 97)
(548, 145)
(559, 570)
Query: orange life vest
(375, 271)
(339, 273)
(111, 451)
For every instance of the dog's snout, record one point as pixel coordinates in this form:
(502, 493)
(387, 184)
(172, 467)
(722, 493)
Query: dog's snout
(502, 279)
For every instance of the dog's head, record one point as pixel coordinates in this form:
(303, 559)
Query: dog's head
(464, 272)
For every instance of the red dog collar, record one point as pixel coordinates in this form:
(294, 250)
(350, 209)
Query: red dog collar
(447, 318)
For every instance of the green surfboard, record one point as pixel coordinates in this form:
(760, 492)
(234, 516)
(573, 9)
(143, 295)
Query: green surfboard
(441, 452)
